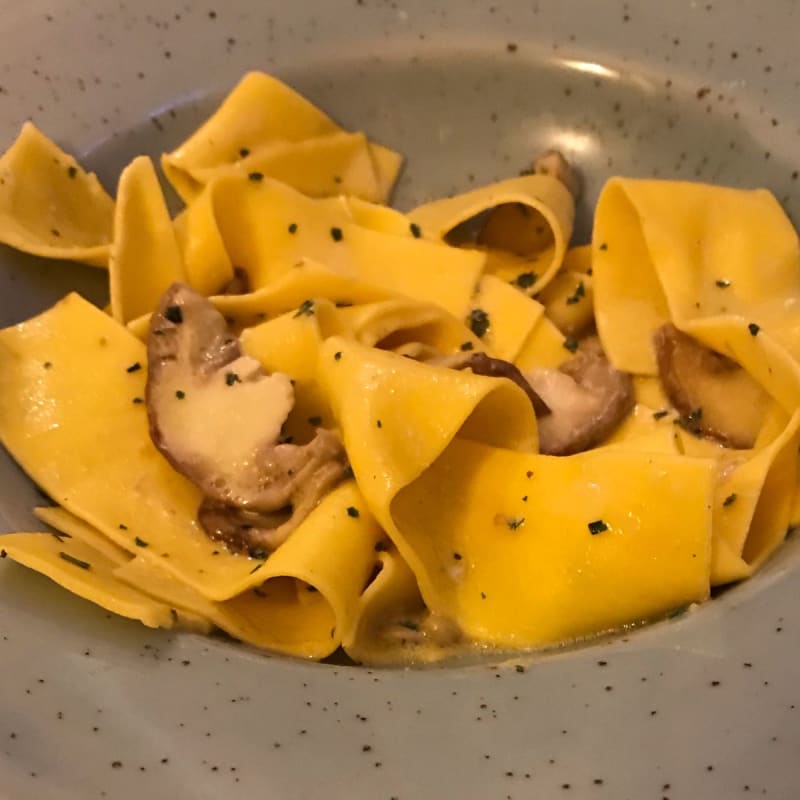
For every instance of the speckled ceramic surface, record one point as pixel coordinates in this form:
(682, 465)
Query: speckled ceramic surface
(705, 706)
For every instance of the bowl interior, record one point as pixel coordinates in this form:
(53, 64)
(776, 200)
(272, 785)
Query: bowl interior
(462, 118)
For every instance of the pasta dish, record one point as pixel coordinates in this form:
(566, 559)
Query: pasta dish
(314, 422)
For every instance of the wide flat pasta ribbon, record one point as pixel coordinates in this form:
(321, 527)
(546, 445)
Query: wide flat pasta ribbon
(385, 626)
(82, 434)
(306, 597)
(323, 166)
(454, 507)
(145, 257)
(665, 250)
(83, 561)
(267, 228)
(49, 205)
(748, 530)
(264, 126)
(529, 207)
(523, 550)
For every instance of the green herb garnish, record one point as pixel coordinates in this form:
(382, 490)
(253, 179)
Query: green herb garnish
(478, 321)
(598, 526)
(75, 561)
(306, 309)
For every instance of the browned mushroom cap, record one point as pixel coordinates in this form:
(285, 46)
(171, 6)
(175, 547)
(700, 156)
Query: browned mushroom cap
(715, 396)
(552, 163)
(587, 398)
(216, 416)
(481, 364)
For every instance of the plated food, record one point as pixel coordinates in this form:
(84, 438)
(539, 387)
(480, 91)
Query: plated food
(312, 421)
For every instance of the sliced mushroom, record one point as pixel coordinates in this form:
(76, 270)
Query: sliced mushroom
(299, 476)
(239, 283)
(587, 399)
(216, 416)
(553, 163)
(425, 627)
(481, 364)
(715, 396)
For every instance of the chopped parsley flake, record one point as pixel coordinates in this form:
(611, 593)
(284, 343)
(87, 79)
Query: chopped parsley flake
(478, 322)
(379, 424)
(138, 400)
(134, 367)
(529, 474)
(598, 526)
(515, 522)
(75, 561)
(604, 247)
(576, 296)
(293, 228)
(660, 414)
(256, 176)
(412, 626)
(174, 314)
(337, 355)
(257, 567)
(380, 546)
(141, 542)
(753, 328)
(243, 152)
(306, 309)
(525, 279)
(231, 378)
(72, 171)
(336, 234)
(457, 556)
(315, 420)
(352, 511)
(123, 526)
(729, 500)
(416, 232)
(722, 283)
(466, 346)
(571, 344)
(180, 394)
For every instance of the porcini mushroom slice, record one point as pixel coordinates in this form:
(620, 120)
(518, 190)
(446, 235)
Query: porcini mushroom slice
(715, 396)
(553, 163)
(216, 415)
(481, 364)
(299, 478)
(587, 399)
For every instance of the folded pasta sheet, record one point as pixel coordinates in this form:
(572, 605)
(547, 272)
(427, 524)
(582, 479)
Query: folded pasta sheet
(263, 127)
(500, 539)
(420, 434)
(49, 205)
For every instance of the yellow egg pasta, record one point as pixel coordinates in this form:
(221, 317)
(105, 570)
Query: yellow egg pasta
(264, 127)
(49, 205)
(145, 257)
(413, 436)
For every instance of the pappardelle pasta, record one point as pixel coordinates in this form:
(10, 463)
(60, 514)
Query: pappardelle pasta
(311, 421)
